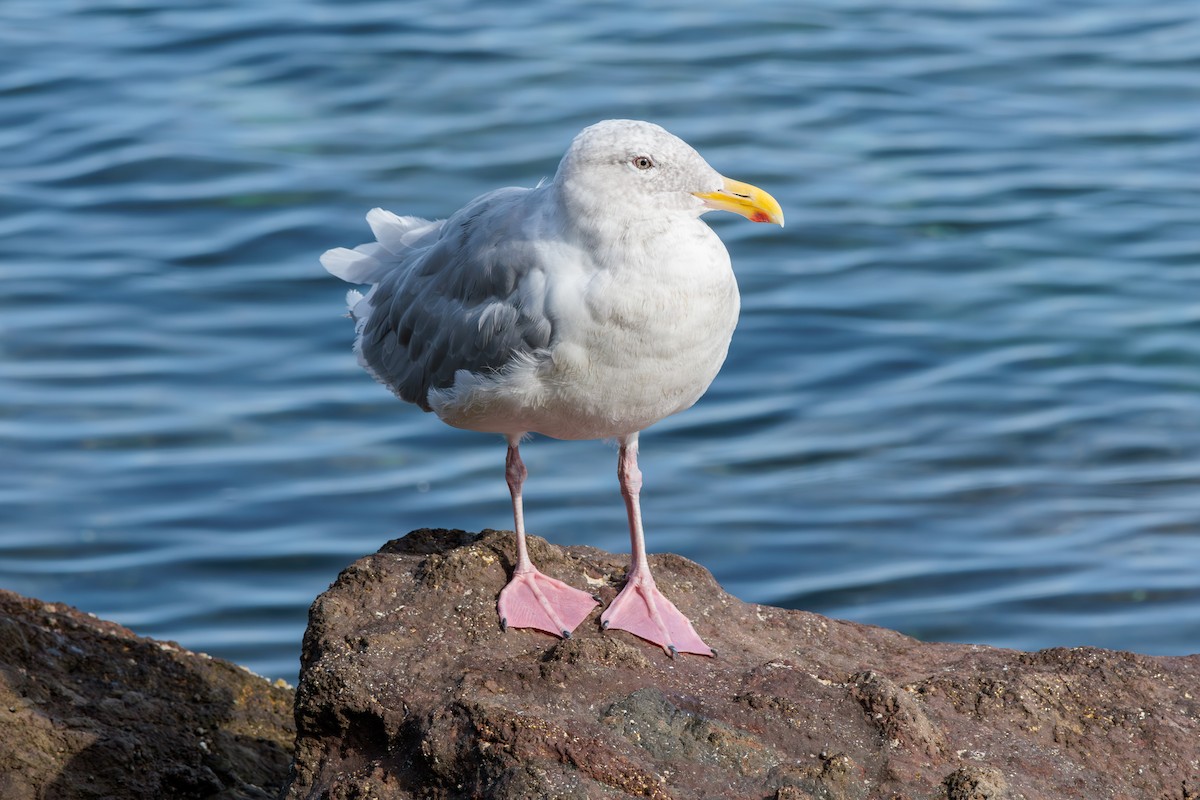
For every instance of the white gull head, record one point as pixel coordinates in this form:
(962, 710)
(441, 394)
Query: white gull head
(630, 169)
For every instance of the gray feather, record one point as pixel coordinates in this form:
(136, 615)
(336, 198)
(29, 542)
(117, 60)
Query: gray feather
(447, 298)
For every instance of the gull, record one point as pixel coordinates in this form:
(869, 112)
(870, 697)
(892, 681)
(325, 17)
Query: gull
(589, 307)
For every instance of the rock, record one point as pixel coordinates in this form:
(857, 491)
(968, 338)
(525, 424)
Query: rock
(409, 689)
(976, 783)
(90, 710)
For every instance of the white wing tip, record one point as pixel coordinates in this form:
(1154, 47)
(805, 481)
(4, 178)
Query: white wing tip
(395, 233)
(378, 214)
(370, 262)
(349, 265)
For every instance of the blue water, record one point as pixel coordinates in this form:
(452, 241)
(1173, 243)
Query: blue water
(962, 401)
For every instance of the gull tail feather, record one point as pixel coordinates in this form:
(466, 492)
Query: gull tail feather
(354, 266)
(398, 234)
(370, 262)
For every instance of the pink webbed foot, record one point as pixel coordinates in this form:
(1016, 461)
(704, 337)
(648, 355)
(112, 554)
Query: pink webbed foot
(642, 610)
(533, 600)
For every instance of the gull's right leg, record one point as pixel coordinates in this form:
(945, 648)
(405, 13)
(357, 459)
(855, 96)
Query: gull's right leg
(531, 599)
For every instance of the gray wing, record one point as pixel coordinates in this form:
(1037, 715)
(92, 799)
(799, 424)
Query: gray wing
(467, 297)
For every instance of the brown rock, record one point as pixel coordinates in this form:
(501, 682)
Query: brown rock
(976, 783)
(90, 710)
(410, 690)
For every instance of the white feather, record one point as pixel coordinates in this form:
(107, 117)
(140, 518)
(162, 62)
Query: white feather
(398, 234)
(352, 266)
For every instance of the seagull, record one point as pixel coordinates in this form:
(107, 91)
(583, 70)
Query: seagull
(589, 307)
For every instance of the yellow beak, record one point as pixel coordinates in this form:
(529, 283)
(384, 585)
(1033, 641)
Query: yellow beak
(741, 198)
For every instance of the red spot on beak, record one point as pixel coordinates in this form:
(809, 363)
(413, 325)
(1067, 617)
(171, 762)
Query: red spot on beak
(760, 216)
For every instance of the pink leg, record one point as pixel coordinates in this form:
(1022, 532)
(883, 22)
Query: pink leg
(531, 599)
(641, 608)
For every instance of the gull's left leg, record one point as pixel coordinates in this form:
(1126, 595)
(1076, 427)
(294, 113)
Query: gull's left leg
(531, 599)
(641, 608)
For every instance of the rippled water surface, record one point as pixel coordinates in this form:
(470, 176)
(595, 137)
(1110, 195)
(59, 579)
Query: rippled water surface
(962, 400)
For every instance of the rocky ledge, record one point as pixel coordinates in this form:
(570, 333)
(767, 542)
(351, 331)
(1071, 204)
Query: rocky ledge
(410, 690)
(88, 709)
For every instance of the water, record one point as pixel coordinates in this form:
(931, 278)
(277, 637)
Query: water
(962, 401)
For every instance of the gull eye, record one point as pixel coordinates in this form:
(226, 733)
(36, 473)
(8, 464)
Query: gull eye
(642, 162)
